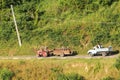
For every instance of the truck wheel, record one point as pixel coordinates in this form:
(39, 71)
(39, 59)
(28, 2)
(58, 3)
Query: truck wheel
(109, 53)
(90, 54)
(104, 53)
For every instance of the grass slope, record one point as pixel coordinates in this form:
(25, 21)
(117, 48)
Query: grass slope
(51, 69)
(55, 23)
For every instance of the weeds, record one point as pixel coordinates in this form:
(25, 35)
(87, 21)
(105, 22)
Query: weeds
(6, 74)
(108, 78)
(54, 69)
(75, 76)
(117, 63)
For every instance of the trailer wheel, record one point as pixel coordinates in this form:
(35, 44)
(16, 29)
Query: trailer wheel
(62, 55)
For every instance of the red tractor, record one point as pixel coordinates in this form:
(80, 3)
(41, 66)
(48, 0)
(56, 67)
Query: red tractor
(43, 52)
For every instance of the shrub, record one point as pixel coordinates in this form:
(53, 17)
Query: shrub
(72, 76)
(6, 74)
(107, 78)
(75, 76)
(117, 63)
(61, 76)
(58, 73)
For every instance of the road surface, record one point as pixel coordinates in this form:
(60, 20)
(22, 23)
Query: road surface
(55, 57)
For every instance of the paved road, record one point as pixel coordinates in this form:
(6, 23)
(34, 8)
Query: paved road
(55, 57)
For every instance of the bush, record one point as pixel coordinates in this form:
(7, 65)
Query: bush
(61, 76)
(107, 78)
(117, 63)
(72, 76)
(75, 76)
(58, 73)
(5, 74)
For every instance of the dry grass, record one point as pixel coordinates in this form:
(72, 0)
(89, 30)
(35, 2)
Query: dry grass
(91, 69)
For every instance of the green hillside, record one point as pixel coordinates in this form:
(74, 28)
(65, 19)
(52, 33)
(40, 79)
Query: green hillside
(78, 24)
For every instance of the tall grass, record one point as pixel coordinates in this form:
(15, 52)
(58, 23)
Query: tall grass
(53, 69)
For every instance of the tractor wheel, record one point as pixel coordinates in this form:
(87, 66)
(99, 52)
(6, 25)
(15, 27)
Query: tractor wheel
(45, 54)
(38, 55)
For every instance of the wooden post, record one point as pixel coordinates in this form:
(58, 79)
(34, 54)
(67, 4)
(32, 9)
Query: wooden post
(19, 40)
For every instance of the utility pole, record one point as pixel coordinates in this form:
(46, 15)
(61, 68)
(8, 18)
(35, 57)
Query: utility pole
(18, 35)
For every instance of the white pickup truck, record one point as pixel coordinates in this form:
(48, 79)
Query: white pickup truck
(103, 51)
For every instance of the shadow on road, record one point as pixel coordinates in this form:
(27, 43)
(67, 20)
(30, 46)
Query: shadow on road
(73, 54)
(115, 52)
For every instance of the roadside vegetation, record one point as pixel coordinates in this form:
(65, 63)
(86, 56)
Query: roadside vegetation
(78, 24)
(55, 69)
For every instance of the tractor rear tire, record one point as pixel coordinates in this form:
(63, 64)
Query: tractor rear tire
(45, 54)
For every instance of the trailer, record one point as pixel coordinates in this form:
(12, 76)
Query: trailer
(62, 52)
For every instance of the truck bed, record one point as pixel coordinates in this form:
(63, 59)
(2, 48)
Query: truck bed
(102, 50)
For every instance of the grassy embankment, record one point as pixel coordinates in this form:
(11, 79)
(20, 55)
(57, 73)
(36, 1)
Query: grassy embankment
(78, 24)
(53, 69)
